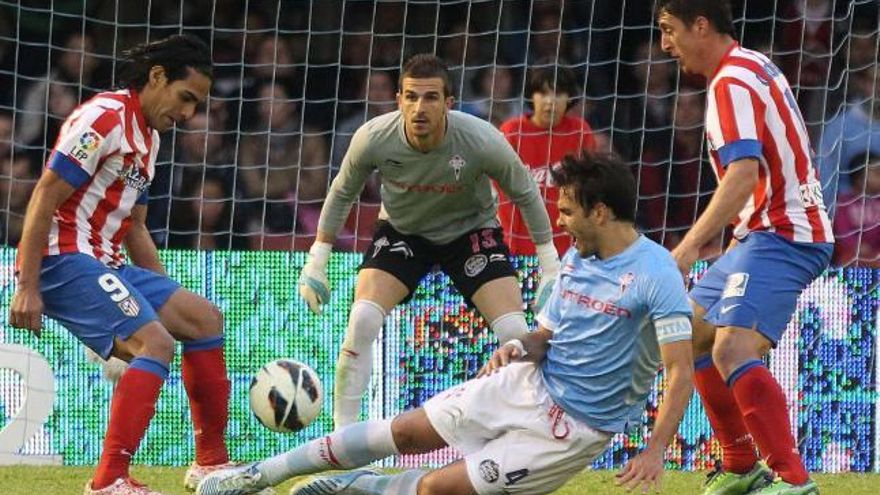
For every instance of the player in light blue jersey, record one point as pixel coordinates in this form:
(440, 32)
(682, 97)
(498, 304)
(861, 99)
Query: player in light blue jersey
(547, 404)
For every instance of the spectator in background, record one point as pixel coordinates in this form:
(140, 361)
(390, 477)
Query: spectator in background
(270, 61)
(692, 180)
(674, 181)
(273, 60)
(354, 69)
(387, 46)
(460, 50)
(645, 117)
(7, 61)
(202, 144)
(857, 220)
(74, 77)
(6, 127)
(200, 147)
(492, 96)
(851, 134)
(862, 45)
(380, 94)
(17, 180)
(546, 41)
(542, 138)
(203, 216)
(806, 31)
(856, 52)
(283, 169)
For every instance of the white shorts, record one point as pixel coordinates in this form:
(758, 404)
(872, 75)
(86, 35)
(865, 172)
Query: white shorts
(514, 438)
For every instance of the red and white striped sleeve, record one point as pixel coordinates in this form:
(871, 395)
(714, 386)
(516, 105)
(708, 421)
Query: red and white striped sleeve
(87, 138)
(735, 121)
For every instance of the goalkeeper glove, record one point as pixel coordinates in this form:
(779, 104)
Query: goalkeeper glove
(548, 260)
(313, 284)
(113, 367)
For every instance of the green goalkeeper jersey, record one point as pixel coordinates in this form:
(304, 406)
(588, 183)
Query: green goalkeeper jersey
(440, 194)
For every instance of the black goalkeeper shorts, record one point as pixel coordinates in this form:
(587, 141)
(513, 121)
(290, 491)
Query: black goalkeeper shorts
(472, 260)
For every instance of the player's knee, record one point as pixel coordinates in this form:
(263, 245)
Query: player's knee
(436, 483)
(159, 346)
(365, 323)
(729, 354)
(702, 340)
(402, 434)
(212, 320)
(723, 357)
(432, 484)
(510, 326)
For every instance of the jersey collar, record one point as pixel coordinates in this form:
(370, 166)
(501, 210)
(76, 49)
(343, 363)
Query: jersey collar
(724, 59)
(138, 112)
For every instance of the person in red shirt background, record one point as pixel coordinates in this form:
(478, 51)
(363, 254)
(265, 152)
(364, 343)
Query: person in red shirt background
(542, 138)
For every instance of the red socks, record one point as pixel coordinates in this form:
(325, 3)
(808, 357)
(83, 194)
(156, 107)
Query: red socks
(132, 408)
(763, 406)
(738, 451)
(206, 383)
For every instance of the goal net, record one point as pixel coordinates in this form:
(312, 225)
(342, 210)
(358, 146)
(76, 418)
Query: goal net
(295, 79)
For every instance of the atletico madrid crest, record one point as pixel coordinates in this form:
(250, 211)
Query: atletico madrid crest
(129, 306)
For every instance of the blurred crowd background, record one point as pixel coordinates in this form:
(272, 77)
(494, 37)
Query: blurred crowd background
(295, 79)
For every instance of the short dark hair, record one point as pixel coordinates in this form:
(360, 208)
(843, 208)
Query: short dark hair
(599, 178)
(177, 54)
(553, 77)
(424, 66)
(716, 11)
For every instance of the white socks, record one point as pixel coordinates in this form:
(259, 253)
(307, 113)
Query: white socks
(347, 448)
(355, 362)
(405, 483)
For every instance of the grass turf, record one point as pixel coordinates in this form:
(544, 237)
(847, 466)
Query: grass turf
(25, 480)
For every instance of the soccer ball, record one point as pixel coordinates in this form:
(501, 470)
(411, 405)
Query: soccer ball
(286, 395)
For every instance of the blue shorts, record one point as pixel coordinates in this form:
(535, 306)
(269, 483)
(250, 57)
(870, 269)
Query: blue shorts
(757, 283)
(97, 303)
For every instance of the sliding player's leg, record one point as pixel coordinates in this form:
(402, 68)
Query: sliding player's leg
(512, 443)
(350, 447)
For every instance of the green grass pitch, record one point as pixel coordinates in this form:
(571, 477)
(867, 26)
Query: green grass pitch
(23, 480)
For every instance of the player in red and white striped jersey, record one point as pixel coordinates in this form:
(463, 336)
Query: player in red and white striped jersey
(751, 113)
(89, 202)
(770, 190)
(106, 150)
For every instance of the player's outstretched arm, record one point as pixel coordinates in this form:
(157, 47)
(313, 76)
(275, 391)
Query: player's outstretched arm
(646, 469)
(26, 310)
(140, 246)
(356, 167)
(729, 199)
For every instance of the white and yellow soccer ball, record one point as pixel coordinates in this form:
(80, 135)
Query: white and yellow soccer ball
(286, 395)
